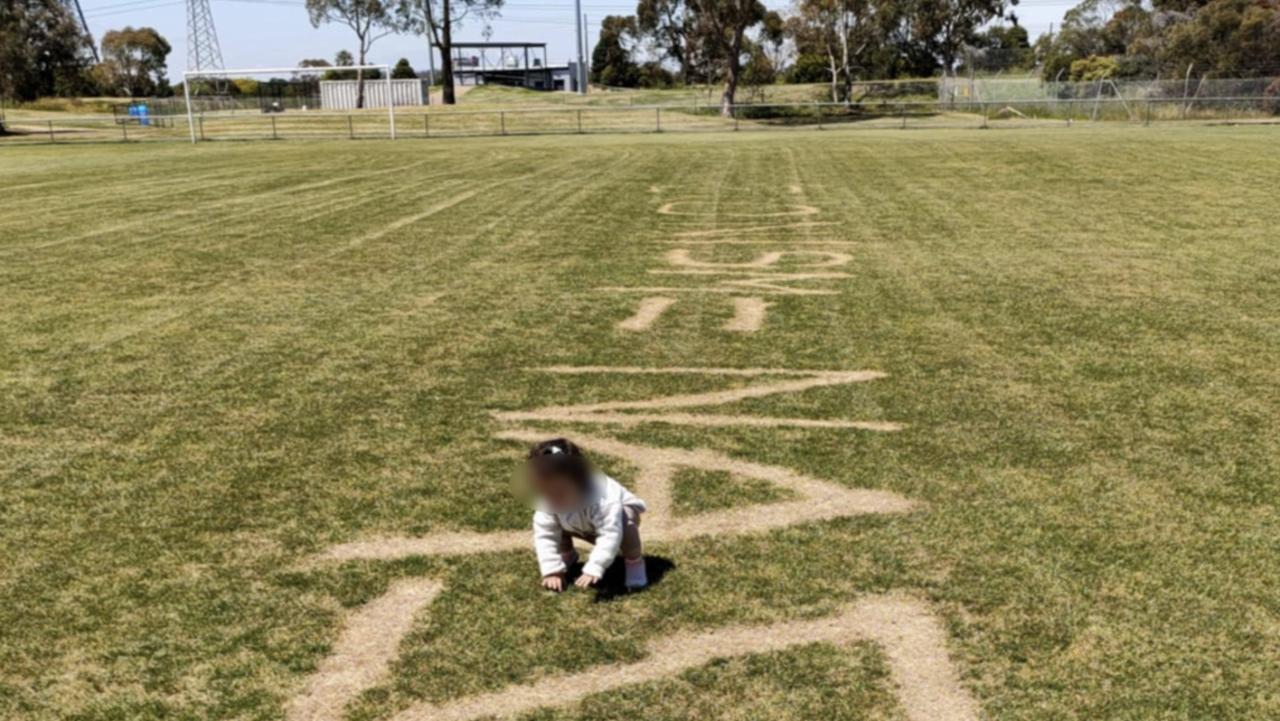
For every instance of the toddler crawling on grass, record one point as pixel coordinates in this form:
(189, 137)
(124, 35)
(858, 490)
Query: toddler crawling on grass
(576, 501)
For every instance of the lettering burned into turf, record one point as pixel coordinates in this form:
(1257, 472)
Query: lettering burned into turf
(911, 638)
(748, 283)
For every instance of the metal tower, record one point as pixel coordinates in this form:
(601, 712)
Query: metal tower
(78, 13)
(203, 51)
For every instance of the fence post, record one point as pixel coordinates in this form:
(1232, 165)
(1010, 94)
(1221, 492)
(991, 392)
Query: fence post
(274, 135)
(502, 119)
(579, 121)
(124, 130)
(658, 112)
(734, 109)
(351, 130)
(985, 112)
(426, 125)
(902, 110)
(1148, 123)
(51, 138)
(202, 126)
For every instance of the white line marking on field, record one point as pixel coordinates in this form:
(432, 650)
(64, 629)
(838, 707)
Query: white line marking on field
(707, 420)
(761, 241)
(673, 208)
(649, 311)
(748, 315)
(751, 229)
(756, 283)
(367, 645)
(910, 636)
(683, 258)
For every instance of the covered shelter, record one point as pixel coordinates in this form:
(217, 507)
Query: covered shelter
(516, 64)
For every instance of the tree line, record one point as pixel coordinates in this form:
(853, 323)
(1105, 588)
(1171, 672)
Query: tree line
(726, 43)
(842, 42)
(45, 52)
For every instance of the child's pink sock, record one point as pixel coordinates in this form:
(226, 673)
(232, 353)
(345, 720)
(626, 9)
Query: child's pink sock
(636, 576)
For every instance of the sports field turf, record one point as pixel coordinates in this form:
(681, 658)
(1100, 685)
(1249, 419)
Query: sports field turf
(221, 363)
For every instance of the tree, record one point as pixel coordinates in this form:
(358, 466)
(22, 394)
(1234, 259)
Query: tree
(370, 20)
(720, 31)
(438, 19)
(343, 59)
(611, 61)
(946, 25)
(318, 63)
(847, 35)
(653, 75)
(1224, 38)
(43, 50)
(1083, 35)
(133, 61)
(773, 39)
(670, 25)
(403, 70)
(1000, 47)
(1093, 68)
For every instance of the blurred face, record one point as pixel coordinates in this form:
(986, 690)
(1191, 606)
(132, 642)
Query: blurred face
(558, 491)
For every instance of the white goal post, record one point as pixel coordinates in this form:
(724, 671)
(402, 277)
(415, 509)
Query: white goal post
(188, 75)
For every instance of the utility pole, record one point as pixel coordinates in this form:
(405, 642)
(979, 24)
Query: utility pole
(586, 53)
(577, 21)
(431, 63)
(78, 13)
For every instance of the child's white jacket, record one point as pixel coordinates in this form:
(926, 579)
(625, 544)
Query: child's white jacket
(599, 516)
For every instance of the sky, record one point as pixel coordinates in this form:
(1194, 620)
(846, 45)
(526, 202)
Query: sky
(277, 33)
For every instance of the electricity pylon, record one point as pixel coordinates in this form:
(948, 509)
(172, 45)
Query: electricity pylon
(203, 51)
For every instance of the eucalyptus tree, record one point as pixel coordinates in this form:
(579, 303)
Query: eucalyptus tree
(370, 20)
(437, 19)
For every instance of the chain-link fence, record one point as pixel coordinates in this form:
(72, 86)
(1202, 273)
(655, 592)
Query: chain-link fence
(1188, 97)
(1053, 105)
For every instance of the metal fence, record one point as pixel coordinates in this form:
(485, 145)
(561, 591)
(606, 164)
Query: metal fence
(1187, 89)
(958, 113)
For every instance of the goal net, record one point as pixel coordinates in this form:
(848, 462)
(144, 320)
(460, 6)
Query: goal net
(280, 103)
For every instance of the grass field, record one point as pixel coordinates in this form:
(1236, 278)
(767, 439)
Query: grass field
(220, 362)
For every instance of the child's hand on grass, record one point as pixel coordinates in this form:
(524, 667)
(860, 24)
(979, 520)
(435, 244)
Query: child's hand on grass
(554, 582)
(586, 581)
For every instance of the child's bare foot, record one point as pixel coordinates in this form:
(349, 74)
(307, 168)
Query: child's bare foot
(554, 582)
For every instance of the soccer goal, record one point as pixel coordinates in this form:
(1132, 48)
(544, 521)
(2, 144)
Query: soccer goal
(292, 102)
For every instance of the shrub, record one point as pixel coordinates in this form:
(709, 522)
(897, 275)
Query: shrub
(1094, 67)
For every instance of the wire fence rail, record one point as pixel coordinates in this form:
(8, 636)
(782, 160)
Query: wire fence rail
(949, 113)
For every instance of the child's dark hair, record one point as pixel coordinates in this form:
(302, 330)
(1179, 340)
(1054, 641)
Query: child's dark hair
(560, 457)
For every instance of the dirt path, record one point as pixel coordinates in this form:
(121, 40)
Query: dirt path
(814, 500)
(368, 643)
(911, 638)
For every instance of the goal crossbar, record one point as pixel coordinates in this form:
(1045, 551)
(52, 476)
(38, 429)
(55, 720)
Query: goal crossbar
(186, 86)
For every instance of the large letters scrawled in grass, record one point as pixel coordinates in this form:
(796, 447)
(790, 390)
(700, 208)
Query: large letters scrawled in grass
(911, 638)
(763, 275)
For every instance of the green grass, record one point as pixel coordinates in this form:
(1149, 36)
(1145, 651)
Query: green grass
(217, 361)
